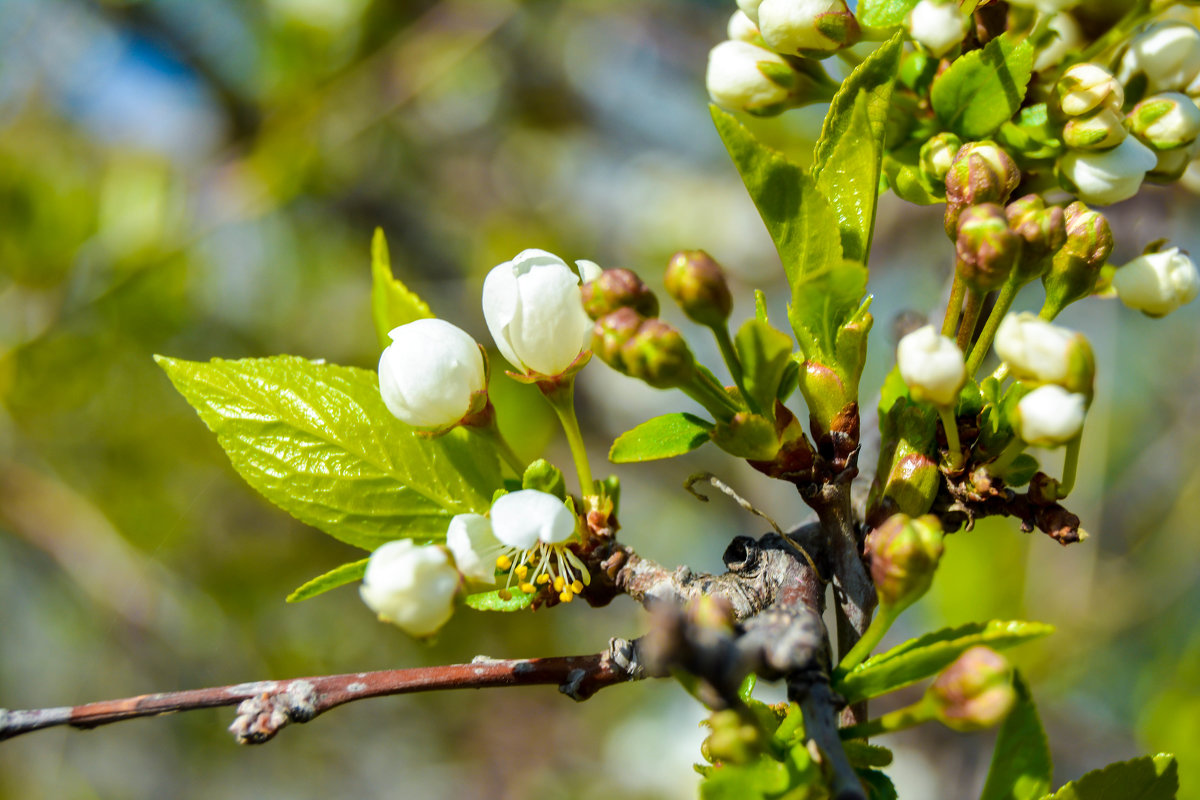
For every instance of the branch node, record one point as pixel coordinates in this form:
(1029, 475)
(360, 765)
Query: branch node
(259, 718)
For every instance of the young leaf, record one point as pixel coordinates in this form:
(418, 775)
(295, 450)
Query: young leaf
(850, 181)
(1021, 766)
(392, 303)
(765, 354)
(545, 477)
(873, 80)
(927, 655)
(983, 89)
(884, 13)
(822, 301)
(492, 601)
(316, 440)
(1146, 778)
(662, 437)
(878, 785)
(339, 576)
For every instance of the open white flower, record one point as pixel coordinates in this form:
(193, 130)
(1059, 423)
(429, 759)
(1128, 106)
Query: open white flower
(937, 24)
(737, 77)
(1108, 176)
(1050, 415)
(533, 529)
(1035, 349)
(1158, 283)
(1167, 53)
(932, 366)
(534, 311)
(432, 374)
(411, 586)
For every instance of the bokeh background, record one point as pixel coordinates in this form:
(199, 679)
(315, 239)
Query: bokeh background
(202, 179)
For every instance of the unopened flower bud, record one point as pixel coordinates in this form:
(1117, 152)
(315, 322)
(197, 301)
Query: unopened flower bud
(1036, 350)
(904, 554)
(611, 332)
(741, 28)
(1107, 176)
(1068, 37)
(1158, 283)
(939, 25)
(1172, 164)
(618, 288)
(1042, 231)
(411, 586)
(1166, 121)
(1101, 130)
(1077, 264)
(807, 27)
(981, 173)
(1049, 416)
(746, 77)
(1166, 55)
(697, 283)
(937, 155)
(986, 248)
(734, 739)
(750, 9)
(974, 692)
(658, 355)
(932, 366)
(1087, 87)
(432, 374)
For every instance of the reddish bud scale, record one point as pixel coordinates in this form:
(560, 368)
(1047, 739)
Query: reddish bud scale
(987, 249)
(975, 691)
(697, 283)
(618, 288)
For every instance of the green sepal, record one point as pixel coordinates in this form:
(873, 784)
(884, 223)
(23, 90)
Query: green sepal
(667, 436)
(779, 74)
(494, 601)
(338, 576)
(545, 477)
(392, 303)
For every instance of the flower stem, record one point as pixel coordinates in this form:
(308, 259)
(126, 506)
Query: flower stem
(1004, 302)
(562, 400)
(883, 620)
(954, 307)
(970, 319)
(712, 396)
(919, 712)
(1070, 467)
(729, 354)
(946, 413)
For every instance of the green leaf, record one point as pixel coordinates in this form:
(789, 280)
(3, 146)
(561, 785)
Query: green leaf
(545, 477)
(849, 179)
(884, 13)
(316, 440)
(873, 80)
(339, 576)
(492, 601)
(862, 754)
(392, 303)
(822, 301)
(1021, 765)
(927, 655)
(765, 354)
(878, 785)
(797, 216)
(903, 172)
(762, 779)
(662, 437)
(983, 89)
(1146, 778)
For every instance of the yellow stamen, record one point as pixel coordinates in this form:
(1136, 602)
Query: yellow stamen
(559, 583)
(566, 596)
(522, 571)
(528, 588)
(576, 587)
(503, 562)
(543, 579)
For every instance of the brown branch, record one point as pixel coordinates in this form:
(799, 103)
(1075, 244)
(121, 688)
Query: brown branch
(266, 707)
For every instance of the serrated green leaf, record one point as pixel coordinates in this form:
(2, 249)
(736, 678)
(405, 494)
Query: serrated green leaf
(339, 576)
(849, 179)
(392, 303)
(983, 89)
(884, 13)
(316, 440)
(1146, 778)
(873, 79)
(492, 601)
(927, 655)
(765, 354)
(862, 754)
(757, 781)
(662, 437)
(878, 785)
(1021, 765)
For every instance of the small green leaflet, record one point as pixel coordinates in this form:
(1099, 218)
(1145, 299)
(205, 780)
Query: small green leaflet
(983, 89)
(1146, 778)
(662, 437)
(1021, 766)
(765, 354)
(884, 13)
(878, 785)
(339, 576)
(873, 79)
(316, 440)
(492, 601)
(392, 304)
(927, 655)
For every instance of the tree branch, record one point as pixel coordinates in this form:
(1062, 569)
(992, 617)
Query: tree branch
(265, 707)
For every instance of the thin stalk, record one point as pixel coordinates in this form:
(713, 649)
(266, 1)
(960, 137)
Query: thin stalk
(492, 433)
(1001, 373)
(1004, 302)
(884, 617)
(954, 307)
(729, 354)
(1007, 456)
(966, 328)
(1070, 467)
(712, 396)
(1048, 313)
(562, 400)
(901, 719)
(946, 414)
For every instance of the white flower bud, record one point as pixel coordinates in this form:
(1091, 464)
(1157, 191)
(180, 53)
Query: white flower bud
(1050, 415)
(474, 547)
(1166, 121)
(534, 310)
(1158, 283)
(938, 25)
(1103, 129)
(432, 374)
(1108, 176)
(1086, 87)
(1035, 349)
(932, 366)
(792, 26)
(1167, 53)
(737, 77)
(750, 9)
(1069, 37)
(740, 29)
(411, 586)
(523, 519)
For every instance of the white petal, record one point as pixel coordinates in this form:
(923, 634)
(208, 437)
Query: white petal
(522, 519)
(500, 304)
(474, 547)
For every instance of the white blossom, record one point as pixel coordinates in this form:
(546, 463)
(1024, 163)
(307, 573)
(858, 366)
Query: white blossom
(534, 311)
(1050, 416)
(474, 547)
(1035, 349)
(430, 374)
(1085, 87)
(790, 26)
(1108, 176)
(1166, 121)
(411, 586)
(750, 9)
(939, 25)
(932, 366)
(735, 77)
(524, 518)
(1069, 36)
(1158, 283)
(741, 28)
(1167, 53)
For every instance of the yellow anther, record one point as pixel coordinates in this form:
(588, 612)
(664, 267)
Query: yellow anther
(576, 587)
(528, 588)
(543, 579)
(503, 562)
(559, 583)
(566, 596)
(522, 571)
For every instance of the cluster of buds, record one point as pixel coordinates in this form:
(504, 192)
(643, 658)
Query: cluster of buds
(769, 63)
(1059, 367)
(981, 172)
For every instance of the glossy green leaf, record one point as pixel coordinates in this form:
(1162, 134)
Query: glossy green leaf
(884, 13)
(1146, 778)
(983, 89)
(873, 80)
(493, 601)
(849, 179)
(765, 354)
(927, 655)
(1021, 765)
(545, 477)
(822, 301)
(662, 437)
(392, 303)
(316, 440)
(339, 576)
